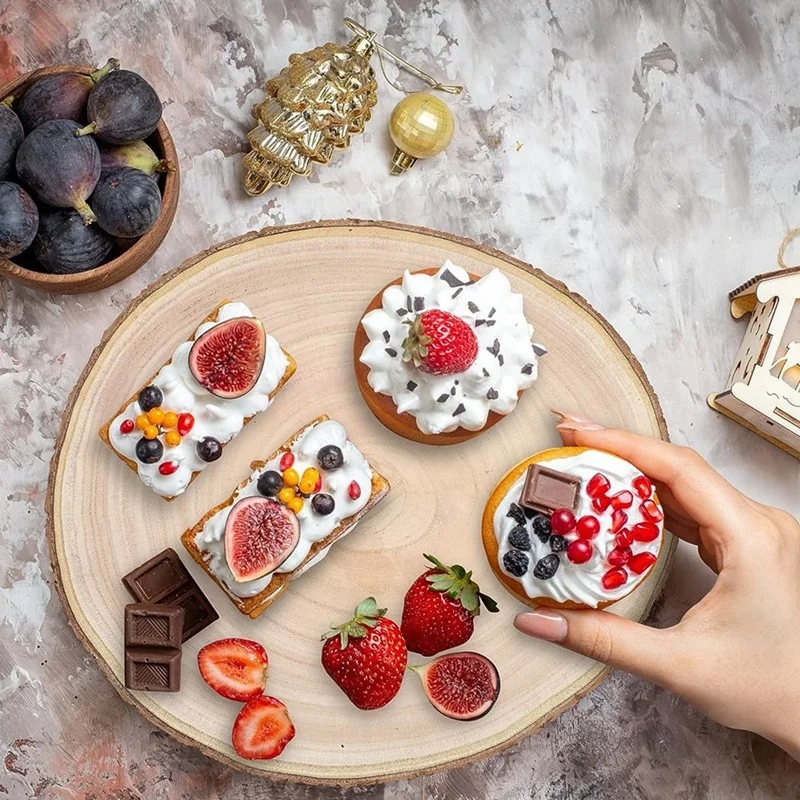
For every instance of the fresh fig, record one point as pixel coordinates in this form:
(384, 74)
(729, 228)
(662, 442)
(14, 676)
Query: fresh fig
(122, 108)
(60, 96)
(260, 534)
(126, 202)
(462, 686)
(59, 169)
(11, 136)
(227, 359)
(64, 244)
(19, 219)
(138, 155)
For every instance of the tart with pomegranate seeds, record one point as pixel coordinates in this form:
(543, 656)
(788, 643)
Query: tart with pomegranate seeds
(573, 527)
(441, 354)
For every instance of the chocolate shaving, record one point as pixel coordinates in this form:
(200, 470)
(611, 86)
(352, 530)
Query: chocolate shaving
(527, 369)
(453, 390)
(451, 279)
(492, 394)
(419, 303)
(479, 322)
(392, 352)
(500, 359)
(442, 398)
(491, 313)
(472, 307)
(386, 336)
(495, 348)
(459, 410)
(485, 372)
(409, 305)
(539, 349)
(401, 312)
(411, 386)
(456, 293)
(490, 322)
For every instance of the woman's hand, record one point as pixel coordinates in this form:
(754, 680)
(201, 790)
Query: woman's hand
(736, 654)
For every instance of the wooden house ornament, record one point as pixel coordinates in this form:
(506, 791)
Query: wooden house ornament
(763, 390)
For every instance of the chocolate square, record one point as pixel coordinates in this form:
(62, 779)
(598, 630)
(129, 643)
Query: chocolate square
(152, 625)
(198, 613)
(153, 669)
(547, 489)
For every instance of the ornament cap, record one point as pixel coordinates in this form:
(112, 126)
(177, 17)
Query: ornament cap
(402, 161)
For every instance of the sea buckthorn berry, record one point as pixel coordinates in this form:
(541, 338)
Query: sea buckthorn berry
(172, 438)
(652, 511)
(645, 532)
(354, 490)
(598, 485)
(126, 426)
(295, 504)
(587, 526)
(156, 415)
(619, 519)
(287, 459)
(286, 495)
(641, 562)
(619, 556)
(579, 551)
(318, 484)
(142, 422)
(643, 487)
(614, 578)
(624, 538)
(291, 477)
(309, 480)
(601, 503)
(623, 499)
(150, 432)
(185, 423)
(562, 520)
(170, 420)
(168, 467)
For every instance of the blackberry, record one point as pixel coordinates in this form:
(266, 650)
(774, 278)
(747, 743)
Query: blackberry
(516, 513)
(530, 513)
(519, 538)
(541, 527)
(515, 563)
(558, 544)
(546, 567)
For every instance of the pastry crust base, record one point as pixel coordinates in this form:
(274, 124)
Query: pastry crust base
(492, 548)
(257, 604)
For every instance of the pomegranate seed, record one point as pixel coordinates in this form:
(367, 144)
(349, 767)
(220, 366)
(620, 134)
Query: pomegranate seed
(614, 578)
(185, 423)
(623, 499)
(652, 511)
(318, 484)
(579, 551)
(126, 426)
(168, 467)
(562, 521)
(354, 490)
(600, 504)
(641, 562)
(643, 487)
(619, 519)
(598, 485)
(588, 526)
(287, 459)
(645, 531)
(620, 556)
(624, 538)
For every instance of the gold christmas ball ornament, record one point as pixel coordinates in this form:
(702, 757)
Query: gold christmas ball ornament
(421, 127)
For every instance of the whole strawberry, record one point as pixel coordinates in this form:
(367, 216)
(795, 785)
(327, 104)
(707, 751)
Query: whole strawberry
(440, 343)
(366, 657)
(440, 609)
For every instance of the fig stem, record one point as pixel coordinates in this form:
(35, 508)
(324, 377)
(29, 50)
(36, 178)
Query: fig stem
(86, 213)
(111, 64)
(90, 128)
(164, 165)
(7, 101)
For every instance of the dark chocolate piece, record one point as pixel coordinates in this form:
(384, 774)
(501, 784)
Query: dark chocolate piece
(459, 410)
(472, 307)
(419, 303)
(164, 579)
(442, 398)
(411, 386)
(492, 394)
(153, 669)
(546, 489)
(391, 351)
(527, 369)
(153, 625)
(386, 336)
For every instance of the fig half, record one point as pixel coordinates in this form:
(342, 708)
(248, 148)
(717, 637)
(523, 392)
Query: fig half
(260, 534)
(11, 136)
(227, 359)
(462, 686)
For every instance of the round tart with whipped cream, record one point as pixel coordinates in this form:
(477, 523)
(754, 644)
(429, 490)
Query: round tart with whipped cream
(573, 527)
(441, 354)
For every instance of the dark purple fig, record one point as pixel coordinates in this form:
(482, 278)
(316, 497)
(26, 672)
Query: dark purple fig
(19, 219)
(11, 136)
(58, 168)
(127, 203)
(122, 108)
(65, 245)
(60, 96)
(137, 155)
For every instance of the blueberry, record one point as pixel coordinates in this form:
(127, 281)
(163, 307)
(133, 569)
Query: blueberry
(516, 513)
(515, 563)
(546, 567)
(541, 527)
(150, 397)
(558, 544)
(209, 449)
(323, 504)
(519, 538)
(330, 457)
(148, 451)
(269, 483)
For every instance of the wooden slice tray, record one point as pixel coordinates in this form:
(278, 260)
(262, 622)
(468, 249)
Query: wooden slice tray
(309, 284)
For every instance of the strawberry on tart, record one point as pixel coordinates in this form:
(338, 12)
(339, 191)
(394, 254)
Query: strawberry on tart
(573, 527)
(442, 354)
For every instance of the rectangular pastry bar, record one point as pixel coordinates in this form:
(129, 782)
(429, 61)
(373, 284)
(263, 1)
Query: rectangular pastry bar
(173, 427)
(283, 518)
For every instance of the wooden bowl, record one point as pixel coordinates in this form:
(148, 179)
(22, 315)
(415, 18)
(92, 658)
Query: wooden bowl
(124, 263)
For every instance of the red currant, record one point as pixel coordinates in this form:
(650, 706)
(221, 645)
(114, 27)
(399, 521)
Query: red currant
(185, 423)
(643, 487)
(579, 551)
(600, 504)
(562, 521)
(354, 490)
(620, 556)
(126, 426)
(645, 531)
(287, 459)
(623, 499)
(641, 562)
(598, 485)
(168, 467)
(619, 519)
(614, 578)
(624, 538)
(588, 526)
(652, 511)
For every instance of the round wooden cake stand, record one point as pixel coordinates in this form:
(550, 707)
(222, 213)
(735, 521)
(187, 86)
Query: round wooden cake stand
(310, 284)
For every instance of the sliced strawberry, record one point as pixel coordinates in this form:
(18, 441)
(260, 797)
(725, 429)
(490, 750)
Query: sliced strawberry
(234, 668)
(262, 729)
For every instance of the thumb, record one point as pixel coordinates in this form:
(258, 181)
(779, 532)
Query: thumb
(616, 641)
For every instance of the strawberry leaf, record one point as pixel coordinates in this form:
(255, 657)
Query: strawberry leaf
(489, 603)
(469, 598)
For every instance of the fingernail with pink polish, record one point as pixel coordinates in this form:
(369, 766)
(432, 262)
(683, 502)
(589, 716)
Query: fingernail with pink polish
(542, 624)
(572, 422)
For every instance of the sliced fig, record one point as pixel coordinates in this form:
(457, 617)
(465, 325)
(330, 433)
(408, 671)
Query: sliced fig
(228, 359)
(462, 686)
(260, 535)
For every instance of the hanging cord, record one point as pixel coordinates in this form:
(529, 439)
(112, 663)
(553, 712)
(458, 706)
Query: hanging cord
(360, 30)
(782, 249)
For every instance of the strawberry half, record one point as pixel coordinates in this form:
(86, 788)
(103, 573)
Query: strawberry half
(440, 343)
(262, 729)
(440, 608)
(234, 668)
(366, 657)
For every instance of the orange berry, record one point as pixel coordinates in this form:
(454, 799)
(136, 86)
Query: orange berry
(172, 438)
(286, 495)
(150, 432)
(142, 422)
(156, 415)
(170, 420)
(290, 477)
(295, 504)
(309, 480)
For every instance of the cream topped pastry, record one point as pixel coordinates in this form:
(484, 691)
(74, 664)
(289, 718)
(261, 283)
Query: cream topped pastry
(450, 350)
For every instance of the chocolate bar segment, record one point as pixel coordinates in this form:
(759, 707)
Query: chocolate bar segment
(153, 669)
(151, 625)
(547, 489)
